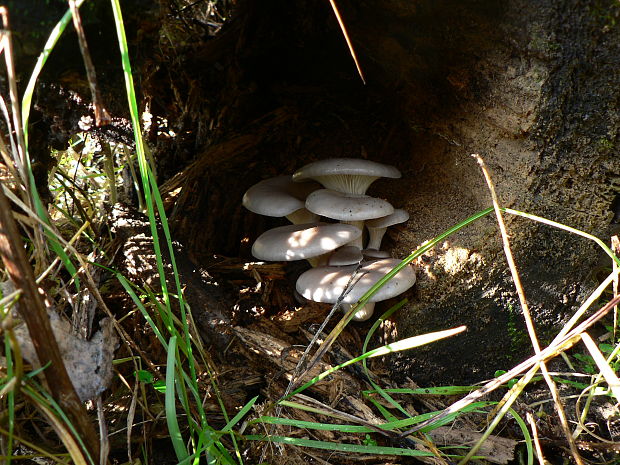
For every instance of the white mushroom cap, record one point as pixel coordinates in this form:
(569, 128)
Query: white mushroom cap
(378, 226)
(302, 241)
(280, 196)
(347, 255)
(350, 175)
(327, 283)
(347, 207)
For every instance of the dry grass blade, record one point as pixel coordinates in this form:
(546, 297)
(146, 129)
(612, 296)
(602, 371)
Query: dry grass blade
(62, 431)
(615, 246)
(7, 48)
(346, 37)
(526, 314)
(104, 448)
(323, 409)
(101, 115)
(495, 449)
(603, 366)
(558, 346)
(539, 454)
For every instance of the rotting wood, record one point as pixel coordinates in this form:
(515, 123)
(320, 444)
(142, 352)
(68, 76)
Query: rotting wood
(286, 358)
(495, 449)
(32, 310)
(212, 156)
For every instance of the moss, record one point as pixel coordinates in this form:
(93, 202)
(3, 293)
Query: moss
(516, 333)
(604, 144)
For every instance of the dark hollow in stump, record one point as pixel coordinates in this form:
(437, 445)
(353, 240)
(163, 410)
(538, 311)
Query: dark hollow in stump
(532, 86)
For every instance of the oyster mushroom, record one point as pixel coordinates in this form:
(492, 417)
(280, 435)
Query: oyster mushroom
(374, 254)
(346, 255)
(280, 196)
(348, 175)
(378, 226)
(309, 241)
(327, 283)
(348, 208)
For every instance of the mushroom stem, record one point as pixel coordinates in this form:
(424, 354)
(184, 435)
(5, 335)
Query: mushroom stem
(356, 242)
(321, 260)
(302, 216)
(375, 236)
(363, 313)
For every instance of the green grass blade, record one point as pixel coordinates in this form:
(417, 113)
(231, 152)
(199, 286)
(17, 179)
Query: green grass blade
(398, 346)
(38, 67)
(145, 171)
(26, 105)
(170, 403)
(151, 194)
(142, 308)
(10, 398)
(378, 389)
(398, 424)
(239, 415)
(342, 447)
(526, 436)
(430, 391)
(302, 424)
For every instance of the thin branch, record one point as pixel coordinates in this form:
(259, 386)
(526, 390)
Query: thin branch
(33, 312)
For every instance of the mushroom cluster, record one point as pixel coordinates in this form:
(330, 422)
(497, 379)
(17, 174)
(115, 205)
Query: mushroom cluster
(333, 189)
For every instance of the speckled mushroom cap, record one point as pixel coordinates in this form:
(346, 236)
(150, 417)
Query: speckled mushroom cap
(347, 207)
(280, 196)
(378, 226)
(302, 241)
(327, 283)
(351, 175)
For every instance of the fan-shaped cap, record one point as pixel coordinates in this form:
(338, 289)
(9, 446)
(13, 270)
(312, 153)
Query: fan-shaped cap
(350, 175)
(398, 216)
(302, 241)
(278, 196)
(327, 283)
(347, 207)
(378, 226)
